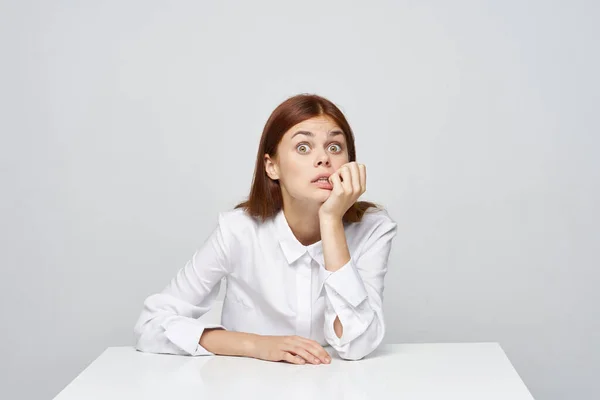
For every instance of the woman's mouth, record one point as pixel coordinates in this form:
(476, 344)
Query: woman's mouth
(323, 183)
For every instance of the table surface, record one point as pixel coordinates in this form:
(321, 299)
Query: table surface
(461, 371)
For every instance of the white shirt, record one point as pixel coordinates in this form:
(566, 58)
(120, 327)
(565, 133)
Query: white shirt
(275, 286)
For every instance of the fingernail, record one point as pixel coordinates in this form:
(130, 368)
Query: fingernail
(328, 360)
(317, 361)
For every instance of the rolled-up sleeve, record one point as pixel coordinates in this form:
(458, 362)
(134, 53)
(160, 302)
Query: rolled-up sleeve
(354, 294)
(171, 322)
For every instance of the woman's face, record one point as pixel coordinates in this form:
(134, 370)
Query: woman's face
(306, 151)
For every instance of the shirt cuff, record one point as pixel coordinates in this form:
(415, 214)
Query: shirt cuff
(345, 283)
(354, 324)
(185, 333)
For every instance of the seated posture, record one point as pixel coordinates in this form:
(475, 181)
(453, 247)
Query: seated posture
(304, 262)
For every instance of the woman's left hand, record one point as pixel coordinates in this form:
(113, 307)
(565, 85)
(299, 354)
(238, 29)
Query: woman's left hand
(346, 191)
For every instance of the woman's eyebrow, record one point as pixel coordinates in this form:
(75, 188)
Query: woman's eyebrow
(310, 134)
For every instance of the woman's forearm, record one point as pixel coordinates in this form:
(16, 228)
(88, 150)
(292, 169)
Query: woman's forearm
(228, 343)
(335, 246)
(335, 252)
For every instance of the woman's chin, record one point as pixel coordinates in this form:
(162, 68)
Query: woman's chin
(323, 195)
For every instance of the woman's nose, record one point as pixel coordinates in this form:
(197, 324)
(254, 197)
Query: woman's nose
(323, 160)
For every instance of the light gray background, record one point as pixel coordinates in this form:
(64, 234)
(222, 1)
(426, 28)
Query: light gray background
(128, 125)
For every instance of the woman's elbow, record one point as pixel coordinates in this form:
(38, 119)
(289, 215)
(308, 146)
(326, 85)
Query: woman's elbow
(146, 336)
(143, 341)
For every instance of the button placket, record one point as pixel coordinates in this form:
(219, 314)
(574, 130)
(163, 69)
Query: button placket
(303, 294)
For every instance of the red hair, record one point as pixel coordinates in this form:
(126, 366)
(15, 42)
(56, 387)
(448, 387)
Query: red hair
(265, 198)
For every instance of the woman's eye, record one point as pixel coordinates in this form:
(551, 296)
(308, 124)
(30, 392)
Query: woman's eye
(339, 148)
(302, 148)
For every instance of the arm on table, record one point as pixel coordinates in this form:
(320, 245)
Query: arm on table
(354, 323)
(170, 321)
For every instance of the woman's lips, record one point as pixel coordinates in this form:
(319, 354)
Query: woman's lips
(323, 185)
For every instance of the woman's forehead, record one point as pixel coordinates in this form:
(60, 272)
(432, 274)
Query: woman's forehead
(316, 125)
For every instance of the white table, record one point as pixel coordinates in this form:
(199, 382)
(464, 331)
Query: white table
(461, 371)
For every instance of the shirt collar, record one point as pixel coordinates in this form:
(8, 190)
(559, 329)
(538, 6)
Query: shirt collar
(292, 248)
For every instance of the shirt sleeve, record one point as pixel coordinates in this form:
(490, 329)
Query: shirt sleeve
(171, 321)
(354, 294)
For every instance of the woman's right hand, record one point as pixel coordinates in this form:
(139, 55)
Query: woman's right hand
(292, 349)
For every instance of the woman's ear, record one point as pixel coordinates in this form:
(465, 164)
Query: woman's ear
(271, 168)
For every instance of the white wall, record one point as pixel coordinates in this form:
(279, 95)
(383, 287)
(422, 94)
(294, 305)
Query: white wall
(127, 126)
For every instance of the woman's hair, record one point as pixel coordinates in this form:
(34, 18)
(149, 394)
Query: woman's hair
(265, 198)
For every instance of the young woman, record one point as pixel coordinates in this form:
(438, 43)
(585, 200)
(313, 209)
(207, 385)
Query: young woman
(304, 261)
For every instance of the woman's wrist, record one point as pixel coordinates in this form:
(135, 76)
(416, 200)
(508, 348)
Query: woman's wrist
(327, 219)
(248, 344)
(228, 343)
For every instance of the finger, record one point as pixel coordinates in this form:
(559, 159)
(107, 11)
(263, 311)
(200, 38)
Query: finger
(316, 349)
(296, 346)
(355, 178)
(346, 179)
(336, 183)
(292, 358)
(363, 176)
(302, 350)
(333, 175)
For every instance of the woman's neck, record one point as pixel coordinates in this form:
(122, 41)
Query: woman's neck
(304, 224)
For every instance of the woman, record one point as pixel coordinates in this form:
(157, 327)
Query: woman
(304, 261)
